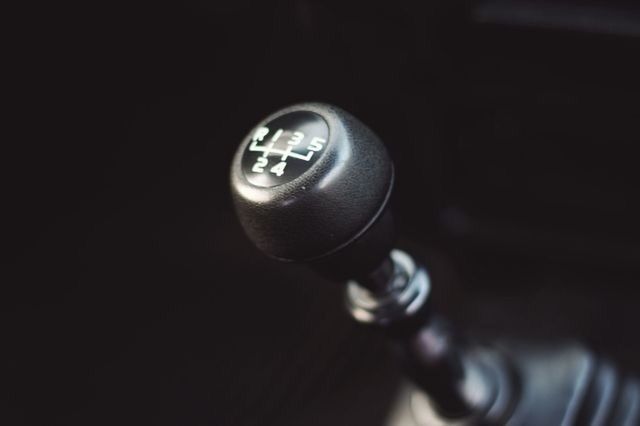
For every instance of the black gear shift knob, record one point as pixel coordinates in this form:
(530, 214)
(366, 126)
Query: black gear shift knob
(311, 183)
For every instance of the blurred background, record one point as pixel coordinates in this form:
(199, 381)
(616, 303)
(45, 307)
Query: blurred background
(130, 294)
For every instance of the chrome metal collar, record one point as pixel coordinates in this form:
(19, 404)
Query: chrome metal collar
(407, 289)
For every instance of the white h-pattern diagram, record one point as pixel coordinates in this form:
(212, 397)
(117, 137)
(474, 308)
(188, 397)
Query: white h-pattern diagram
(315, 145)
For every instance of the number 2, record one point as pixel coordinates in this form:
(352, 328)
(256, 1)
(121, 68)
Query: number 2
(261, 162)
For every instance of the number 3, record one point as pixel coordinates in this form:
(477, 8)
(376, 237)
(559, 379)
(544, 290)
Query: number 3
(296, 138)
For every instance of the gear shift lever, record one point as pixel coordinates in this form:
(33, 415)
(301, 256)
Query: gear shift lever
(311, 183)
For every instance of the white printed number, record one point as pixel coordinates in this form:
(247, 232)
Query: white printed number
(316, 144)
(278, 169)
(296, 138)
(261, 162)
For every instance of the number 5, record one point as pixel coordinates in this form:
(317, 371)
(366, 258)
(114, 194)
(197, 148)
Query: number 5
(316, 144)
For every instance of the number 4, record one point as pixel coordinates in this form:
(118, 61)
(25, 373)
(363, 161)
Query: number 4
(278, 169)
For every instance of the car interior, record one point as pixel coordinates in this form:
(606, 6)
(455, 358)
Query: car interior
(323, 212)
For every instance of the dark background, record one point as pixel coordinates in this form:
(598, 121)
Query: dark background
(130, 294)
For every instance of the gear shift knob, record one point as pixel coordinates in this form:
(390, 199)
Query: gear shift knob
(310, 183)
